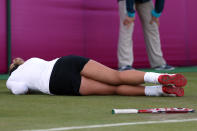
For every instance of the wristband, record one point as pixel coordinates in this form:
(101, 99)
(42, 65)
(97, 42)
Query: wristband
(155, 14)
(131, 14)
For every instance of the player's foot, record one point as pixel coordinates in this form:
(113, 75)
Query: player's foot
(164, 67)
(176, 79)
(171, 89)
(127, 67)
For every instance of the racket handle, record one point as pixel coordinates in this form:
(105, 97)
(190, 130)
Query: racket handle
(124, 111)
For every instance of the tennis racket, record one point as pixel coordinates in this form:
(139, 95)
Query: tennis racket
(153, 110)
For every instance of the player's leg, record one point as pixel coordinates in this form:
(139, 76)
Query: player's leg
(104, 74)
(92, 87)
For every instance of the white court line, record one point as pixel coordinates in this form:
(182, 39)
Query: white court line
(113, 125)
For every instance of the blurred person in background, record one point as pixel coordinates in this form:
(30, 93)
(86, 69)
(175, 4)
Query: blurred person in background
(149, 17)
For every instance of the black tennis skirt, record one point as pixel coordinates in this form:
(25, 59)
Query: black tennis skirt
(65, 77)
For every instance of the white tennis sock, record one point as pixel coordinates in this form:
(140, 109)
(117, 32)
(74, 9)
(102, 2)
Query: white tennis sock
(151, 77)
(156, 91)
(153, 90)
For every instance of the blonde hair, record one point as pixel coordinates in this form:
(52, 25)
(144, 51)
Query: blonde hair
(15, 64)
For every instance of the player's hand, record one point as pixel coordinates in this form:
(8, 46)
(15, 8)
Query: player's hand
(154, 19)
(128, 21)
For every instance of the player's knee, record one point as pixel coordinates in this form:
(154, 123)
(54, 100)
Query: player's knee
(120, 77)
(119, 90)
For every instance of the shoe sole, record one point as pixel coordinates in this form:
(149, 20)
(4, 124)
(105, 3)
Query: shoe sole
(178, 91)
(178, 80)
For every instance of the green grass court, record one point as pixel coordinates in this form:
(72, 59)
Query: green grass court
(38, 111)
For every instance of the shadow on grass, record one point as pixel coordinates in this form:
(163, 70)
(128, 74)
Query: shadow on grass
(32, 93)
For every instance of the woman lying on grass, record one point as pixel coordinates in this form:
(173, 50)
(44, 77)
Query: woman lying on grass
(76, 75)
